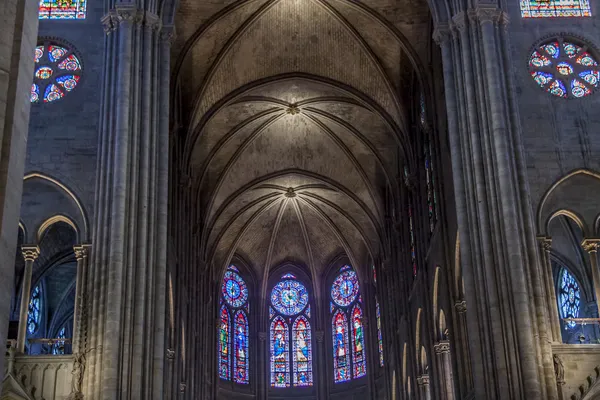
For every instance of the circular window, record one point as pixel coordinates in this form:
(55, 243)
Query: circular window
(234, 289)
(57, 72)
(289, 297)
(345, 288)
(564, 68)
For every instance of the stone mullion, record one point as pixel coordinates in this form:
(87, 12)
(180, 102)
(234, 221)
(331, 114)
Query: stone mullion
(531, 384)
(453, 85)
(30, 254)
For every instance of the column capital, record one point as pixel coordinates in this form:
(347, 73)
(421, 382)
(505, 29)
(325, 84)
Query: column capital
(81, 251)
(170, 354)
(30, 252)
(423, 380)
(460, 306)
(441, 34)
(545, 242)
(459, 21)
(443, 346)
(489, 13)
(167, 34)
(591, 245)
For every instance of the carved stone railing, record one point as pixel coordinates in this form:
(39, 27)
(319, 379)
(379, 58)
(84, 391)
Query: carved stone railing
(37, 377)
(576, 368)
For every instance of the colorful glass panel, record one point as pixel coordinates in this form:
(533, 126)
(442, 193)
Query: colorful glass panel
(344, 289)
(43, 73)
(570, 297)
(280, 346)
(68, 82)
(55, 53)
(234, 289)
(288, 276)
(344, 268)
(52, 78)
(379, 335)
(224, 340)
(62, 9)
(359, 360)
(39, 52)
(302, 357)
(70, 63)
(289, 297)
(271, 312)
(559, 63)
(341, 354)
(58, 348)
(555, 8)
(240, 356)
(35, 93)
(35, 310)
(374, 274)
(307, 312)
(233, 268)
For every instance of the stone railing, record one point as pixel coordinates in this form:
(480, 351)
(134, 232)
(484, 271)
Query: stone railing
(576, 366)
(37, 377)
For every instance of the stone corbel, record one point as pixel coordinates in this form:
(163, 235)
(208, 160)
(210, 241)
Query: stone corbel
(443, 346)
(591, 245)
(30, 252)
(441, 34)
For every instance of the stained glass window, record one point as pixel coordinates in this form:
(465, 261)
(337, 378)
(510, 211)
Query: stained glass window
(224, 339)
(62, 9)
(349, 360)
(564, 69)
(233, 332)
(341, 355)
(35, 310)
(59, 346)
(289, 298)
(57, 72)
(240, 357)
(280, 365)
(379, 335)
(302, 352)
(555, 8)
(570, 296)
(345, 288)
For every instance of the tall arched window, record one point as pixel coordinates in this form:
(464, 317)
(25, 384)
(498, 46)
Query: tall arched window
(378, 319)
(233, 328)
(35, 310)
(289, 305)
(569, 297)
(347, 316)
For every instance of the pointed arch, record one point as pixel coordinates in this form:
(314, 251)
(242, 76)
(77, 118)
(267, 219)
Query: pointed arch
(224, 340)
(359, 361)
(280, 345)
(240, 352)
(341, 353)
(302, 352)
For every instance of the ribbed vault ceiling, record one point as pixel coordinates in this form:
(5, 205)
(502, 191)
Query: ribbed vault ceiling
(296, 128)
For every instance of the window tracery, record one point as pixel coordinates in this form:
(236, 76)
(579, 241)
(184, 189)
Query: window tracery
(564, 68)
(57, 72)
(233, 332)
(35, 310)
(569, 297)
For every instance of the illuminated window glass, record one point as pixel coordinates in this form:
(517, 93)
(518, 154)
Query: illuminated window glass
(341, 353)
(57, 71)
(35, 310)
(240, 356)
(555, 8)
(301, 335)
(58, 348)
(569, 299)
(224, 340)
(62, 9)
(379, 335)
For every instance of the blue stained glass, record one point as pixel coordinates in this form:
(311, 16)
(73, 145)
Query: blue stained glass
(569, 297)
(553, 49)
(591, 77)
(55, 53)
(68, 81)
(271, 312)
(288, 276)
(587, 60)
(39, 52)
(234, 289)
(379, 335)
(35, 93)
(224, 362)
(308, 311)
(331, 307)
(289, 297)
(35, 309)
(280, 366)
(578, 89)
(52, 93)
(233, 268)
(345, 288)
(240, 358)
(301, 334)
(341, 353)
(345, 268)
(557, 88)
(542, 78)
(359, 360)
(58, 348)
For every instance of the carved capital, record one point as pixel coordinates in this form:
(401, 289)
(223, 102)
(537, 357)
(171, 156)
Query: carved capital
(591, 245)
(81, 251)
(167, 34)
(443, 346)
(461, 306)
(441, 34)
(489, 13)
(182, 387)
(152, 21)
(30, 252)
(170, 354)
(423, 380)
(459, 21)
(545, 242)
(108, 22)
(127, 13)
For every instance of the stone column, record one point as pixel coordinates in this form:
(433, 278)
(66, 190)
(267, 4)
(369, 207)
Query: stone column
(19, 38)
(30, 254)
(263, 365)
(442, 353)
(462, 341)
(548, 280)
(321, 371)
(80, 311)
(128, 269)
(423, 384)
(591, 246)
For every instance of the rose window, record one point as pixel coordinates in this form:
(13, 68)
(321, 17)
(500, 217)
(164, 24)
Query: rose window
(564, 68)
(57, 72)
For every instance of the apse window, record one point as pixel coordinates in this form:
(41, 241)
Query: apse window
(555, 8)
(564, 68)
(62, 9)
(347, 328)
(232, 346)
(57, 72)
(290, 334)
(569, 297)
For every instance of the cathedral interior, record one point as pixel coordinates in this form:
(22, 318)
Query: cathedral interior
(300, 199)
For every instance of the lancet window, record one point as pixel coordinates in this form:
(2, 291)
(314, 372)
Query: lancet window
(290, 334)
(35, 310)
(233, 332)
(347, 327)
